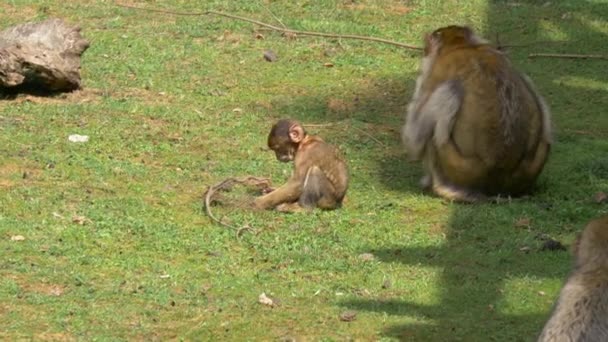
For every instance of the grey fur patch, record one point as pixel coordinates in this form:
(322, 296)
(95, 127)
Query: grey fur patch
(434, 117)
(445, 102)
(510, 106)
(314, 187)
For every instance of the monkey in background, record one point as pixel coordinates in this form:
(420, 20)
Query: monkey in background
(320, 177)
(478, 125)
(581, 312)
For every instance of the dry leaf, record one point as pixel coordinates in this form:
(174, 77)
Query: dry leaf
(264, 299)
(78, 219)
(17, 238)
(348, 316)
(290, 35)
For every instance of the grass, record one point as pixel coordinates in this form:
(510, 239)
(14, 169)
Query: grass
(159, 101)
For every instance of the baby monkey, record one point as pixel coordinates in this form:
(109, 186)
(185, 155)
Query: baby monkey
(320, 176)
(581, 312)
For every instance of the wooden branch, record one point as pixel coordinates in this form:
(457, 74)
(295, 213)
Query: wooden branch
(370, 136)
(226, 185)
(567, 55)
(279, 29)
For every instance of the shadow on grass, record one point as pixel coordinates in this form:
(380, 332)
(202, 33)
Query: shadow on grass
(476, 263)
(482, 250)
(8, 94)
(365, 123)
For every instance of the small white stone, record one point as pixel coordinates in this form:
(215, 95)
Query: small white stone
(77, 138)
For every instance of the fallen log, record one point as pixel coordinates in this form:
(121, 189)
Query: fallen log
(43, 56)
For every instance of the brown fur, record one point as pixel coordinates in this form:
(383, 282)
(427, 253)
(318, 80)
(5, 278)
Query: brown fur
(581, 312)
(320, 177)
(479, 126)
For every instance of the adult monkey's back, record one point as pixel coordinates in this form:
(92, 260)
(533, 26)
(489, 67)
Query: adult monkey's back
(479, 126)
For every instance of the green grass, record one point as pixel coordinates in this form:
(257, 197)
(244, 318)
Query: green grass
(158, 103)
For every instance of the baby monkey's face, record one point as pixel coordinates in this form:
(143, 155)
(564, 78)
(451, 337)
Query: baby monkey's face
(284, 149)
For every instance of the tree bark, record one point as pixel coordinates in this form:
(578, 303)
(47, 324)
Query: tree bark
(44, 56)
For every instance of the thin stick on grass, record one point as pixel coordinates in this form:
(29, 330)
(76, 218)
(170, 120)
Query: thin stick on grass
(289, 31)
(276, 28)
(370, 136)
(566, 55)
(272, 15)
(227, 184)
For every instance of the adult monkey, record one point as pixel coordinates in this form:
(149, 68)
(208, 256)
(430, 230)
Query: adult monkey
(581, 312)
(478, 125)
(320, 177)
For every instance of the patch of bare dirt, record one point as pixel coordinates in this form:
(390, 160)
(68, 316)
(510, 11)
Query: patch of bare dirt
(155, 124)
(48, 336)
(355, 6)
(90, 95)
(41, 288)
(25, 12)
(10, 170)
(437, 229)
(340, 106)
(399, 9)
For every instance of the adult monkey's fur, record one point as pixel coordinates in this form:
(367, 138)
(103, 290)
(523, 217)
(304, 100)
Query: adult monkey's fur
(581, 312)
(478, 125)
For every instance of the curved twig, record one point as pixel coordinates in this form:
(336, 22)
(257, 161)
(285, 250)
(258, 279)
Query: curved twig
(226, 185)
(276, 28)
